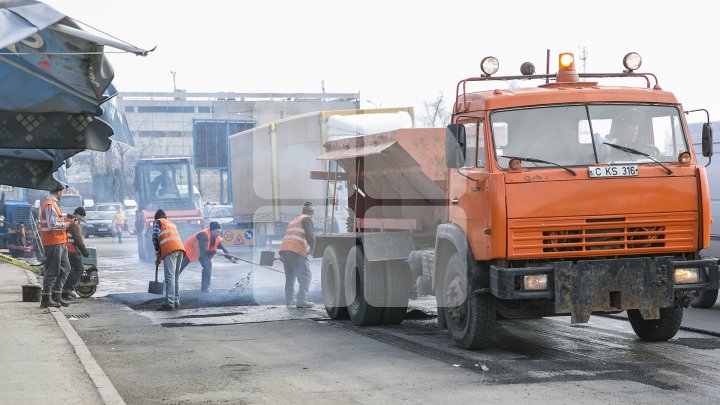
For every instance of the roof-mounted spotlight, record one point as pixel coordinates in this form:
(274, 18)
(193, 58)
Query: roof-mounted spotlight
(527, 69)
(489, 65)
(632, 61)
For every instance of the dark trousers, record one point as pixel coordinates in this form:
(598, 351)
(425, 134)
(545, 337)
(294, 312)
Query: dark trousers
(296, 267)
(57, 268)
(206, 264)
(77, 267)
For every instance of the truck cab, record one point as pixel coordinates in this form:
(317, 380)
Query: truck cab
(167, 184)
(575, 198)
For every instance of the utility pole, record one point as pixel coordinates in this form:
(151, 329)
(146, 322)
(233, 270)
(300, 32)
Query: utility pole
(173, 73)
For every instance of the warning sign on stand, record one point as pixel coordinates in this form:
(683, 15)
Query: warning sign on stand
(238, 237)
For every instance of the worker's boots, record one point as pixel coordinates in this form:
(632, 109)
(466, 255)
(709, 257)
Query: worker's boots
(68, 296)
(46, 301)
(57, 297)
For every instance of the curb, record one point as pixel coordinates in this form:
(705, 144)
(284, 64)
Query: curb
(105, 388)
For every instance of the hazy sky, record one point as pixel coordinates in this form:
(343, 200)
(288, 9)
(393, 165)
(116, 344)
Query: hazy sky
(398, 53)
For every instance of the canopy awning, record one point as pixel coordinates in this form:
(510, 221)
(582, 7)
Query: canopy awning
(55, 79)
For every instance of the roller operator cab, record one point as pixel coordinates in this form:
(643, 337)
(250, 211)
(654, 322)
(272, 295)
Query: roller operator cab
(566, 198)
(165, 184)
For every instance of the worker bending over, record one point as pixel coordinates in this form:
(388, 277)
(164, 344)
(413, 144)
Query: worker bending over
(203, 246)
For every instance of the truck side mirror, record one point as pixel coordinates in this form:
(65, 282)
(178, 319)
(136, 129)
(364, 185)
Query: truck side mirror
(707, 140)
(455, 145)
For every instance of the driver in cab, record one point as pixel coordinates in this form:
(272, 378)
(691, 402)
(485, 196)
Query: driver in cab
(625, 133)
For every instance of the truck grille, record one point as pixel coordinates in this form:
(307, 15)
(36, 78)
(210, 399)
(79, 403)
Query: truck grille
(603, 239)
(601, 236)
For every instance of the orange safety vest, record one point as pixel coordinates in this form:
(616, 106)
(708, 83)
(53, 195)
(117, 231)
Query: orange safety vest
(70, 241)
(169, 238)
(192, 245)
(51, 237)
(294, 240)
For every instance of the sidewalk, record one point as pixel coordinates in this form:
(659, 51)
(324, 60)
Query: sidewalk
(38, 364)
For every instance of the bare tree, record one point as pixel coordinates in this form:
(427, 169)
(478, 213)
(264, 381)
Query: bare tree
(121, 149)
(436, 113)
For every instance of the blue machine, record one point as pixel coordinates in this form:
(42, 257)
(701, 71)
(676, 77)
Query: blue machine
(16, 210)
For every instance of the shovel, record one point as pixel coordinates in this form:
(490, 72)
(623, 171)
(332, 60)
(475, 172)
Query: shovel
(156, 287)
(266, 260)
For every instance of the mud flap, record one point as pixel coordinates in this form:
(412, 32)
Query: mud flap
(613, 285)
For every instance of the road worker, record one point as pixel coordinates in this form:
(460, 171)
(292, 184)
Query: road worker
(296, 245)
(76, 250)
(202, 246)
(168, 249)
(53, 236)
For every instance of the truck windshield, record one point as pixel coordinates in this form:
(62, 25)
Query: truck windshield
(167, 181)
(578, 135)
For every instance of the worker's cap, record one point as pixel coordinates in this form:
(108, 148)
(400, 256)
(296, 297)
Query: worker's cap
(59, 187)
(79, 211)
(309, 207)
(215, 225)
(160, 214)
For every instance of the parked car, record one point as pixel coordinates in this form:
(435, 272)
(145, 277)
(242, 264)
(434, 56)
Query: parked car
(98, 223)
(218, 213)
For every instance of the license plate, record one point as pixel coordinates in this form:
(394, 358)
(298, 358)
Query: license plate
(613, 171)
(102, 228)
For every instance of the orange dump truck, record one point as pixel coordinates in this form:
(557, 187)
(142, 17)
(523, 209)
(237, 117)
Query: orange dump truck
(568, 198)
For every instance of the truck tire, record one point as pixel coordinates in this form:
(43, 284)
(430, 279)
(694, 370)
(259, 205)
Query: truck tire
(397, 292)
(704, 299)
(470, 317)
(332, 280)
(364, 284)
(656, 330)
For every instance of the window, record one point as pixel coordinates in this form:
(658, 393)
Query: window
(165, 109)
(475, 144)
(577, 135)
(167, 181)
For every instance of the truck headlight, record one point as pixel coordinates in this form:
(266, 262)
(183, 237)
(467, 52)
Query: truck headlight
(535, 282)
(687, 276)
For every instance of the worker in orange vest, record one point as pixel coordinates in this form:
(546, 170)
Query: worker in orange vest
(76, 251)
(53, 237)
(296, 245)
(203, 246)
(168, 249)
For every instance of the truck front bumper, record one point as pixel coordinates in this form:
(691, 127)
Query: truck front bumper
(609, 285)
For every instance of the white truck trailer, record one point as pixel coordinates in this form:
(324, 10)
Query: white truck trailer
(270, 166)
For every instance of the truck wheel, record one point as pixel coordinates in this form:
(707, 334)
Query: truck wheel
(656, 330)
(397, 292)
(470, 317)
(704, 299)
(332, 280)
(364, 289)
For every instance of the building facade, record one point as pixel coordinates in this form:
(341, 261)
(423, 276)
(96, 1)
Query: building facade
(162, 126)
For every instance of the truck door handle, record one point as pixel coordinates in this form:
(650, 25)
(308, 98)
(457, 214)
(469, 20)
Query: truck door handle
(455, 200)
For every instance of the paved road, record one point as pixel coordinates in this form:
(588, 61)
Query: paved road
(225, 347)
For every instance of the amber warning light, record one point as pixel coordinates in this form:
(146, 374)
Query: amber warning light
(567, 73)
(567, 61)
